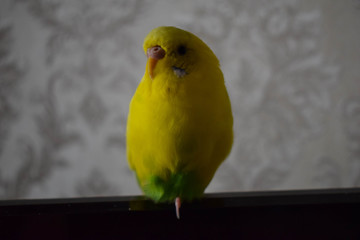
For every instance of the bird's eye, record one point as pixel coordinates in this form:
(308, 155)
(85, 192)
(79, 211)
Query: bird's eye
(181, 50)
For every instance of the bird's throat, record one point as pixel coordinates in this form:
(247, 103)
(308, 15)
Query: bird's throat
(179, 72)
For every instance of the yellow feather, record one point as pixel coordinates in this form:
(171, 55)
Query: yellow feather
(179, 123)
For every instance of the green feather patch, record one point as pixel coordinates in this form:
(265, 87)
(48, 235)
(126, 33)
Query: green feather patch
(183, 185)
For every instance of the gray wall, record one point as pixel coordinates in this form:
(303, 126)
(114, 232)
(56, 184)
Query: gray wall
(68, 70)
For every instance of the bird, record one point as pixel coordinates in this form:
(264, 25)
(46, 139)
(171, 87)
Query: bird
(180, 122)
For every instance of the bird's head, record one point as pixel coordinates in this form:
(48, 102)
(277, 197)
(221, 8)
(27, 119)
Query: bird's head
(176, 53)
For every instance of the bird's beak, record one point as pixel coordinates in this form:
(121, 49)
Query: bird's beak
(151, 65)
(154, 54)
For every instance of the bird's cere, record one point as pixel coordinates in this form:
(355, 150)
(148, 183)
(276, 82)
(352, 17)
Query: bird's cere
(156, 53)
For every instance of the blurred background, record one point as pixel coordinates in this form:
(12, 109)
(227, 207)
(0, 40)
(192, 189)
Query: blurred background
(68, 70)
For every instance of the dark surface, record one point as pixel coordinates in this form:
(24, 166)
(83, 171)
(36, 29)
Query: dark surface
(316, 214)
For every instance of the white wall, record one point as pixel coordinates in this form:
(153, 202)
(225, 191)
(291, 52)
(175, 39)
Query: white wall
(69, 68)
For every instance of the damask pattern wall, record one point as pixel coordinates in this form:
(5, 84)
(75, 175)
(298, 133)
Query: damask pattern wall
(68, 70)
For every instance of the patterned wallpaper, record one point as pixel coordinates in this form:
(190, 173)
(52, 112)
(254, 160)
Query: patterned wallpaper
(68, 70)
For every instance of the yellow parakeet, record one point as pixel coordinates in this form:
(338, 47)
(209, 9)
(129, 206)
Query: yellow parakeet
(180, 124)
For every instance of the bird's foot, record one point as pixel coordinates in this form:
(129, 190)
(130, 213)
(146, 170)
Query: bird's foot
(177, 207)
